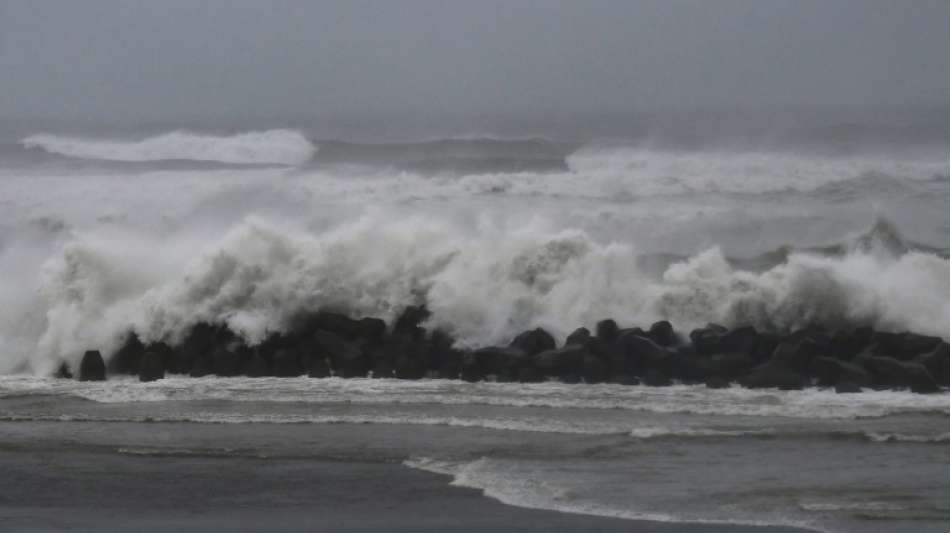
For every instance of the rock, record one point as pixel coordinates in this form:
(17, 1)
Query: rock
(410, 319)
(580, 336)
(830, 371)
(255, 366)
(529, 374)
(847, 387)
(307, 324)
(642, 354)
(126, 359)
(498, 360)
(443, 357)
(893, 373)
(226, 362)
(373, 330)
(845, 345)
(203, 366)
(741, 341)
(607, 330)
(903, 346)
(560, 362)
(152, 367)
(409, 365)
(662, 333)
(534, 341)
(707, 340)
(317, 367)
(287, 364)
(593, 369)
(656, 378)
(773, 376)
(937, 362)
(471, 370)
(795, 354)
(623, 379)
(347, 358)
(716, 382)
(92, 367)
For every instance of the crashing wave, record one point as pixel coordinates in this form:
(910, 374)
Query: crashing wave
(483, 288)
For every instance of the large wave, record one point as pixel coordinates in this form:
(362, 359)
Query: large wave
(283, 147)
(484, 286)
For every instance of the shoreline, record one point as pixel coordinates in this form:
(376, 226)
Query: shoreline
(112, 492)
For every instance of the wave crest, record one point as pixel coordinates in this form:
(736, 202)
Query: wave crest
(282, 147)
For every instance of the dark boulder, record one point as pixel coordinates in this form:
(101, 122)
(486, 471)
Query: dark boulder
(607, 330)
(287, 364)
(410, 320)
(528, 374)
(226, 361)
(656, 378)
(707, 340)
(623, 379)
(92, 367)
(903, 346)
(662, 333)
(937, 362)
(409, 365)
(593, 369)
(498, 361)
(442, 356)
(126, 359)
(893, 373)
(562, 363)
(203, 366)
(534, 341)
(255, 366)
(742, 340)
(317, 367)
(845, 345)
(847, 387)
(580, 336)
(152, 367)
(373, 330)
(642, 354)
(347, 358)
(829, 371)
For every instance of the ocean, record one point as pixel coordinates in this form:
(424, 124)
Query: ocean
(103, 233)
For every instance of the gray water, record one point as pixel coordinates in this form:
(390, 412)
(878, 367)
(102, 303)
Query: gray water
(102, 233)
(876, 461)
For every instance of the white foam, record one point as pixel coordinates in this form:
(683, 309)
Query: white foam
(484, 284)
(285, 147)
(678, 399)
(496, 481)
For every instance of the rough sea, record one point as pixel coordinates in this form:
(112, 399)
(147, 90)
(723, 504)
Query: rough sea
(153, 232)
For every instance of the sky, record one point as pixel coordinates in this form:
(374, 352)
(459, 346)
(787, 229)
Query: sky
(115, 61)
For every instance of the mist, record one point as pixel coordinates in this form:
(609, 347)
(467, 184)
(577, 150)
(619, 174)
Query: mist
(368, 66)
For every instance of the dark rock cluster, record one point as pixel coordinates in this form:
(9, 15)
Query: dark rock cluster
(327, 344)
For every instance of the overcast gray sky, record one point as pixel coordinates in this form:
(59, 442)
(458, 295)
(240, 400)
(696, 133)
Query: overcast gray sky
(170, 59)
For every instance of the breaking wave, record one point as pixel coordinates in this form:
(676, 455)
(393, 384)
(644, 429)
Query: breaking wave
(281, 147)
(483, 286)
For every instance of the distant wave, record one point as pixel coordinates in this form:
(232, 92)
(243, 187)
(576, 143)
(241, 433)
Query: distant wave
(283, 147)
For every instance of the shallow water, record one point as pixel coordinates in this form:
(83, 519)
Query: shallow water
(102, 235)
(877, 461)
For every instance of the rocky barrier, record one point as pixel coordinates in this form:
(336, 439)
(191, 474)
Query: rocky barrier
(327, 344)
